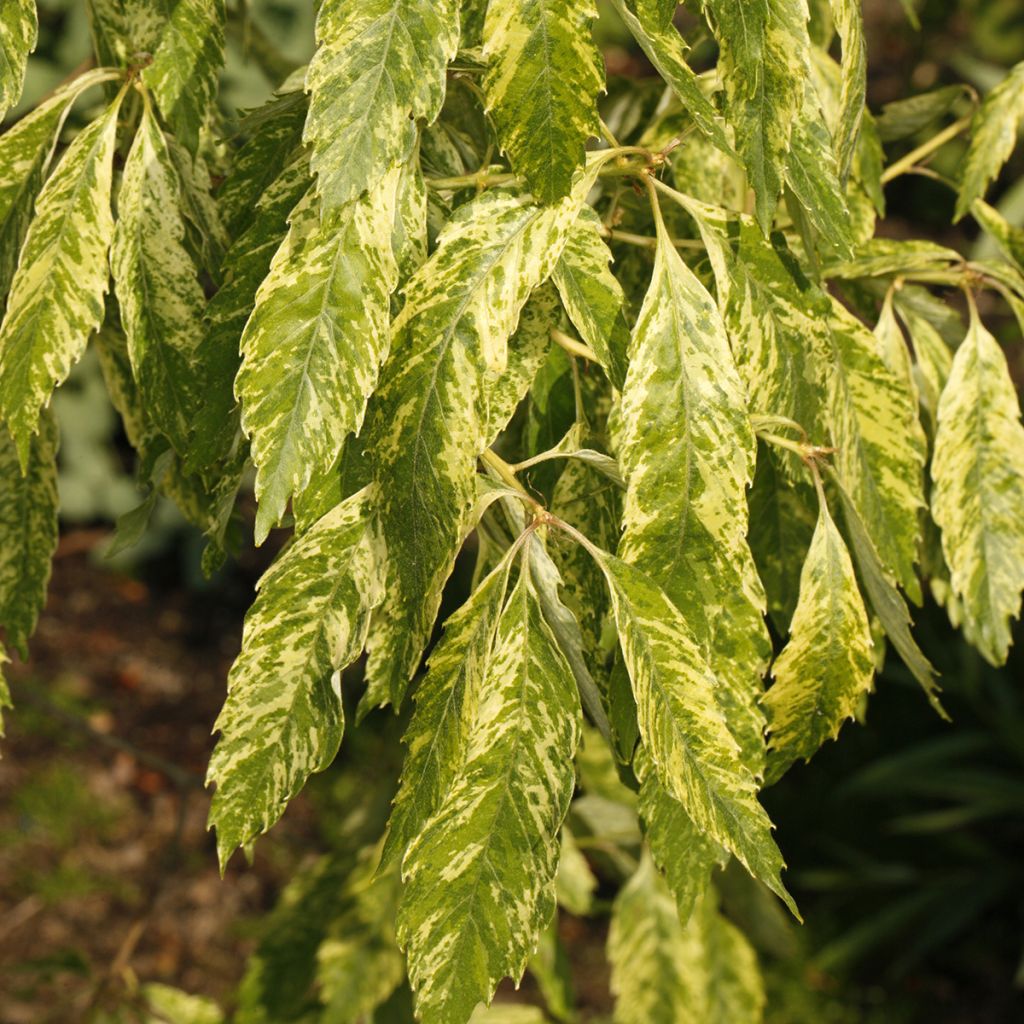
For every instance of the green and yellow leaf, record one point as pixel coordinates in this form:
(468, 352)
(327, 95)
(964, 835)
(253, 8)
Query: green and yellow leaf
(688, 452)
(157, 287)
(480, 877)
(993, 137)
(764, 63)
(186, 61)
(447, 703)
(19, 29)
(682, 725)
(827, 667)
(543, 77)
(592, 295)
(314, 342)
(431, 414)
(283, 717)
(978, 493)
(379, 67)
(56, 298)
(28, 531)
(26, 149)
(667, 972)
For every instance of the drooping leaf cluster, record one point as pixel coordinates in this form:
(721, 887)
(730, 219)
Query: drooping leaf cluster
(634, 347)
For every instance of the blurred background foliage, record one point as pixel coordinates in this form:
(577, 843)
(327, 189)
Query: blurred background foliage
(905, 839)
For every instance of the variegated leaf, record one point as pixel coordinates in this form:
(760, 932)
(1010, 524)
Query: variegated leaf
(849, 19)
(666, 50)
(694, 754)
(880, 442)
(379, 67)
(592, 295)
(883, 599)
(684, 855)
(812, 175)
(688, 451)
(245, 266)
(775, 317)
(313, 345)
(429, 416)
(28, 531)
(493, 845)
(764, 63)
(782, 522)
(447, 703)
(993, 137)
(19, 29)
(186, 61)
(892, 346)
(665, 972)
(978, 494)
(827, 666)
(283, 716)
(273, 136)
(590, 502)
(56, 298)
(5, 692)
(26, 149)
(157, 289)
(543, 77)
(359, 964)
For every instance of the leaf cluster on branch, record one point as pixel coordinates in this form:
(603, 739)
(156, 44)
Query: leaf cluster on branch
(636, 346)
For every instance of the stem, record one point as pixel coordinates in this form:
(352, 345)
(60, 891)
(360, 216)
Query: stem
(475, 180)
(573, 347)
(808, 453)
(760, 422)
(926, 149)
(507, 475)
(649, 241)
(606, 133)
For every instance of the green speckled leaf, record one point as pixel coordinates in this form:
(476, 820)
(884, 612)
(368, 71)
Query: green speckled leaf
(28, 532)
(849, 20)
(26, 149)
(684, 855)
(764, 63)
(592, 295)
(880, 442)
(978, 494)
(447, 703)
(666, 50)
(379, 67)
(157, 287)
(665, 972)
(186, 61)
(56, 298)
(682, 726)
(993, 136)
(19, 28)
(492, 847)
(687, 449)
(543, 77)
(283, 717)
(314, 342)
(428, 420)
(827, 666)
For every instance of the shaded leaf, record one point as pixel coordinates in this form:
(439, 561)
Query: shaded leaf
(28, 531)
